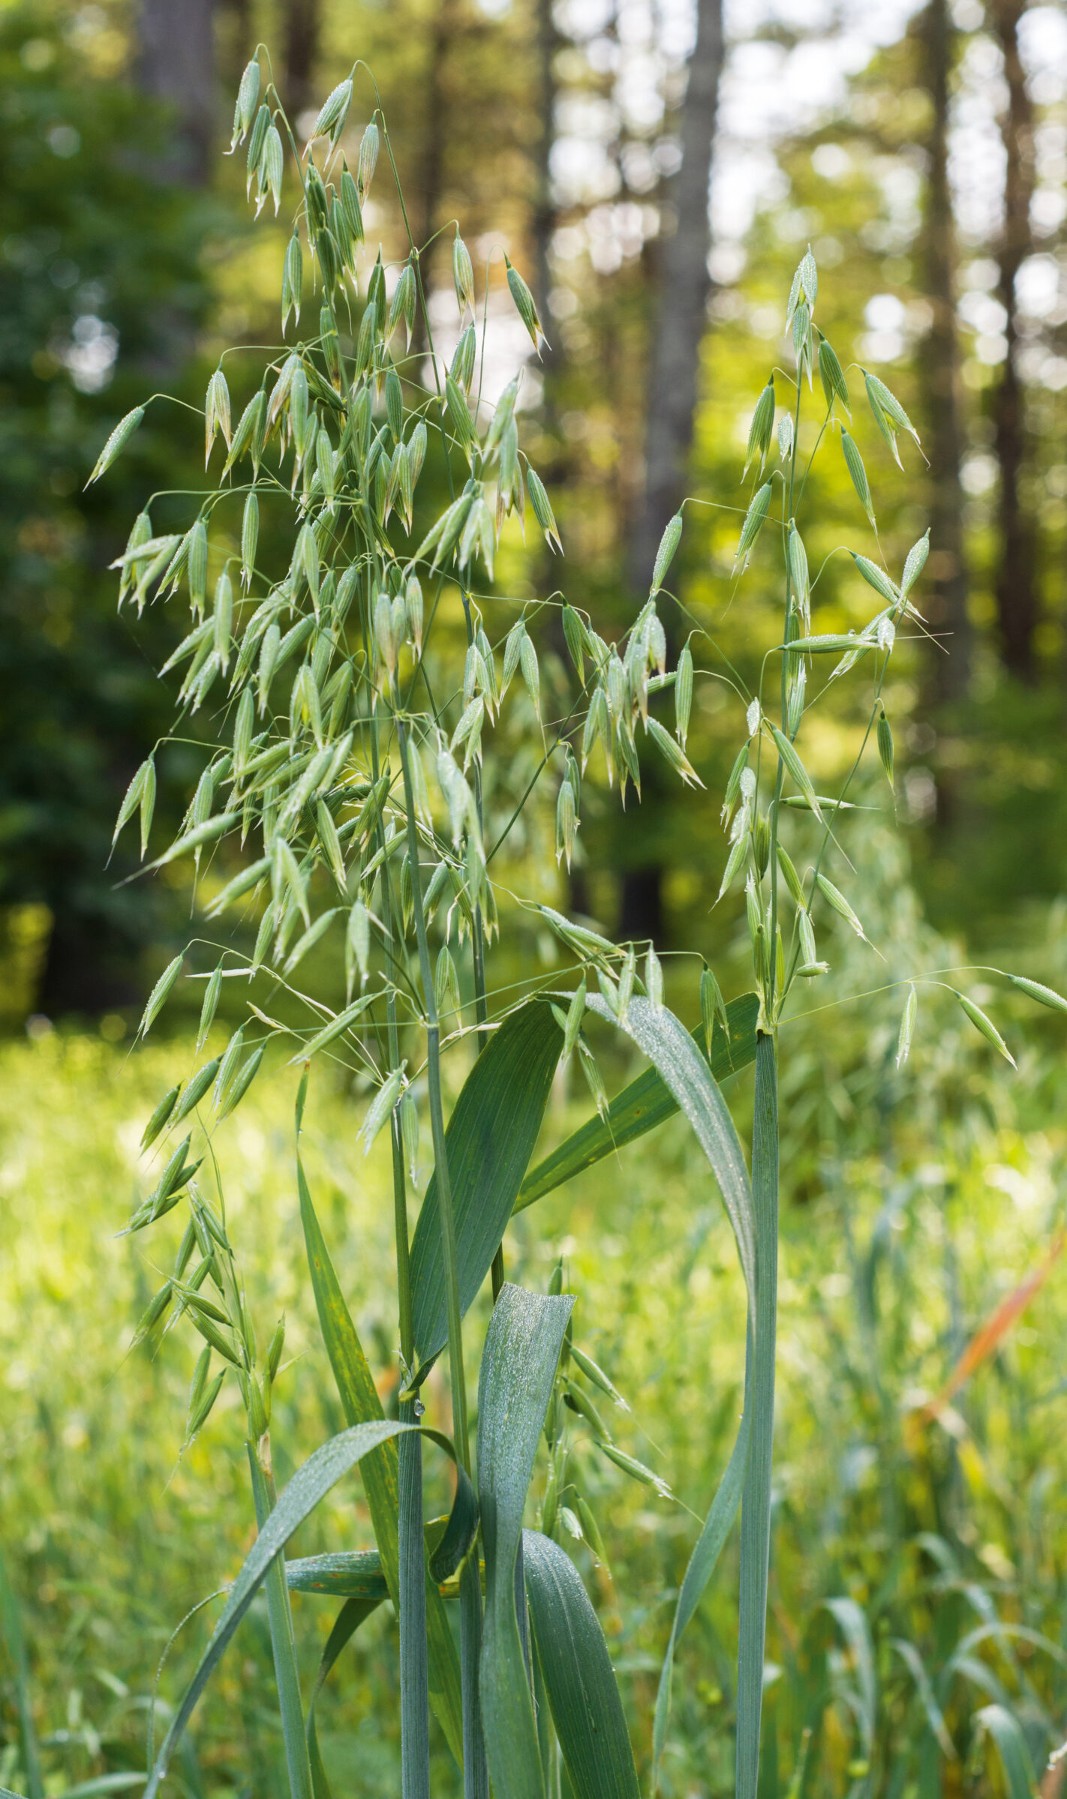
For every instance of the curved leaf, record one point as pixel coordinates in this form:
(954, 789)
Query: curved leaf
(687, 1078)
(706, 1552)
(1006, 1733)
(522, 1349)
(578, 1675)
(345, 1574)
(852, 1622)
(935, 1717)
(490, 1139)
(360, 1402)
(295, 1503)
(357, 1573)
(641, 1106)
(686, 1075)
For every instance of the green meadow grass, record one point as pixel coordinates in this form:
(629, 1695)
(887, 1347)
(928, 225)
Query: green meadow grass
(896, 1251)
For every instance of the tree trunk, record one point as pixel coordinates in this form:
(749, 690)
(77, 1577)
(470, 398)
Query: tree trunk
(554, 466)
(1015, 584)
(679, 313)
(176, 65)
(680, 309)
(940, 365)
(234, 41)
(300, 50)
(441, 44)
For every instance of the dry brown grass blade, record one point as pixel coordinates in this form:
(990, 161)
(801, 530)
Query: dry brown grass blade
(996, 1327)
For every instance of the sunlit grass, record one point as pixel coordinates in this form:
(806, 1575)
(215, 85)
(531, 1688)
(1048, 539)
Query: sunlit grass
(111, 1534)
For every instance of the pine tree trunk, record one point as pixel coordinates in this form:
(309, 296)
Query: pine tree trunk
(441, 47)
(679, 313)
(1015, 583)
(554, 466)
(680, 309)
(300, 49)
(940, 363)
(176, 65)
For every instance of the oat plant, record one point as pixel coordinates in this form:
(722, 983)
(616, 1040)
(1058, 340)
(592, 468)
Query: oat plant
(344, 739)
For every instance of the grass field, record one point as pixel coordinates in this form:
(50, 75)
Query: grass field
(920, 1549)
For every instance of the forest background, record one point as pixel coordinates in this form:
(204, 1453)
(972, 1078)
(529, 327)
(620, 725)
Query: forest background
(922, 153)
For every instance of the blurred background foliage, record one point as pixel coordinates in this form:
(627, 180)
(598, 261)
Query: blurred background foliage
(922, 156)
(922, 152)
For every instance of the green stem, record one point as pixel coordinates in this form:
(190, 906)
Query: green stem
(280, 1620)
(478, 936)
(772, 947)
(475, 1776)
(414, 1642)
(411, 1541)
(437, 1117)
(759, 1397)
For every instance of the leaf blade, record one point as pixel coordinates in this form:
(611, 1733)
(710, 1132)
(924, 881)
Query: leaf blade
(360, 1401)
(642, 1105)
(579, 1679)
(490, 1138)
(522, 1350)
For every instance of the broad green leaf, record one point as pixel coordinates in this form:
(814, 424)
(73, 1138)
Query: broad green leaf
(360, 1401)
(490, 1138)
(357, 1573)
(296, 1502)
(578, 1676)
(343, 1574)
(641, 1106)
(753, 1215)
(522, 1349)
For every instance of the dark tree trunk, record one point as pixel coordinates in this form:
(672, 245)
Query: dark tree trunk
(545, 211)
(235, 41)
(679, 313)
(680, 309)
(940, 362)
(554, 466)
(1016, 577)
(300, 48)
(176, 65)
(430, 184)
